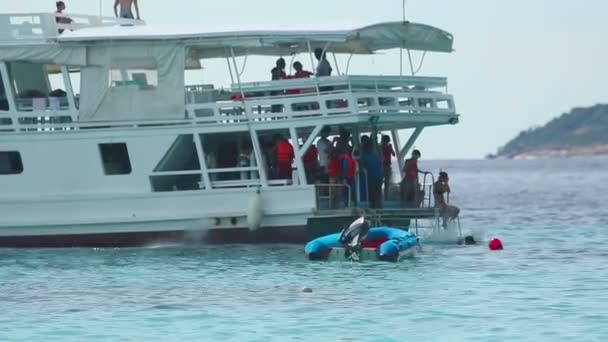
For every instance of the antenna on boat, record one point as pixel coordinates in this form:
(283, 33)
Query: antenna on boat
(100, 8)
(404, 3)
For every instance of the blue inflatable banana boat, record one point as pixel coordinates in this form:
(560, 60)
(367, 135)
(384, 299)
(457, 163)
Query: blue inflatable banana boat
(359, 242)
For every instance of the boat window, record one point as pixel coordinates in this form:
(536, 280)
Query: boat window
(3, 97)
(115, 159)
(230, 159)
(142, 74)
(38, 87)
(10, 163)
(172, 172)
(269, 141)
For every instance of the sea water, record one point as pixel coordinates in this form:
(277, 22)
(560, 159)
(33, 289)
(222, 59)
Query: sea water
(550, 283)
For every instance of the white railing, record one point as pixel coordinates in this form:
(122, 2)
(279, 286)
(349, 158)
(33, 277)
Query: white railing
(37, 27)
(388, 96)
(297, 98)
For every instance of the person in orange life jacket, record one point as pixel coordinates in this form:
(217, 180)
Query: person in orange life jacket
(311, 164)
(334, 174)
(284, 156)
(411, 194)
(387, 153)
(349, 167)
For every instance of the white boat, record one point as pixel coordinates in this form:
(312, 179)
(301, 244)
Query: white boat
(126, 153)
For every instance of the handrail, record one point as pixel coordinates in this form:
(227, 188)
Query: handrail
(329, 197)
(352, 81)
(42, 26)
(430, 187)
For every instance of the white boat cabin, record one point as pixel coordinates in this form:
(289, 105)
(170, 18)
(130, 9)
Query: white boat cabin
(101, 107)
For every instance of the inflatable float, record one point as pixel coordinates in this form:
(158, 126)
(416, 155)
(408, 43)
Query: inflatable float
(360, 242)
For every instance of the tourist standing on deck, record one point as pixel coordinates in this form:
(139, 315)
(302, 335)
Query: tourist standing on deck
(300, 72)
(372, 165)
(387, 153)
(323, 149)
(323, 68)
(349, 168)
(410, 186)
(126, 11)
(441, 186)
(284, 156)
(278, 72)
(311, 164)
(59, 17)
(334, 174)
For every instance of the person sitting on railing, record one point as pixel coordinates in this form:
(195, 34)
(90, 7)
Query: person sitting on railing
(411, 194)
(448, 212)
(284, 156)
(370, 162)
(126, 11)
(387, 153)
(59, 17)
(311, 164)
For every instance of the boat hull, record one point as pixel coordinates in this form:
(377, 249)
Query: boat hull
(147, 234)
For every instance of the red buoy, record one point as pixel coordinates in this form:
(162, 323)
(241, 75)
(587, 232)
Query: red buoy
(495, 244)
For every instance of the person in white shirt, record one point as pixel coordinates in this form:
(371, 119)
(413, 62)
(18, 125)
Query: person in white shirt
(324, 147)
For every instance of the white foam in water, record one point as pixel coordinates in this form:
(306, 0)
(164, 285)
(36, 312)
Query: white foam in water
(438, 234)
(197, 230)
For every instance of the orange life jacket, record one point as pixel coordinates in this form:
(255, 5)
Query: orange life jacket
(333, 167)
(284, 152)
(351, 167)
(310, 157)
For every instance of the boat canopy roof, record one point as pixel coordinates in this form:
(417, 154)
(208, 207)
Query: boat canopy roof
(210, 44)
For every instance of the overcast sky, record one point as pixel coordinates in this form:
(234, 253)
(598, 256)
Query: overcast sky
(517, 63)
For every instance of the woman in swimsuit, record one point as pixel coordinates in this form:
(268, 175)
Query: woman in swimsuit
(441, 186)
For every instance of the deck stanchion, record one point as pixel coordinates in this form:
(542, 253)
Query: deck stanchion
(252, 132)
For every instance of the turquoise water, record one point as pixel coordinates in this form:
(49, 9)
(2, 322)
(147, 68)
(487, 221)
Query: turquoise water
(549, 284)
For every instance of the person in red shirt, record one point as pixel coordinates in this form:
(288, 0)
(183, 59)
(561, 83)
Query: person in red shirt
(387, 153)
(410, 187)
(300, 72)
(284, 156)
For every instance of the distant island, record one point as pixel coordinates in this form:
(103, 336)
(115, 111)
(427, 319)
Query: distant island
(582, 132)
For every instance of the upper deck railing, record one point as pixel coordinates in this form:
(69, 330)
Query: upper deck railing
(24, 28)
(391, 97)
(324, 96)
